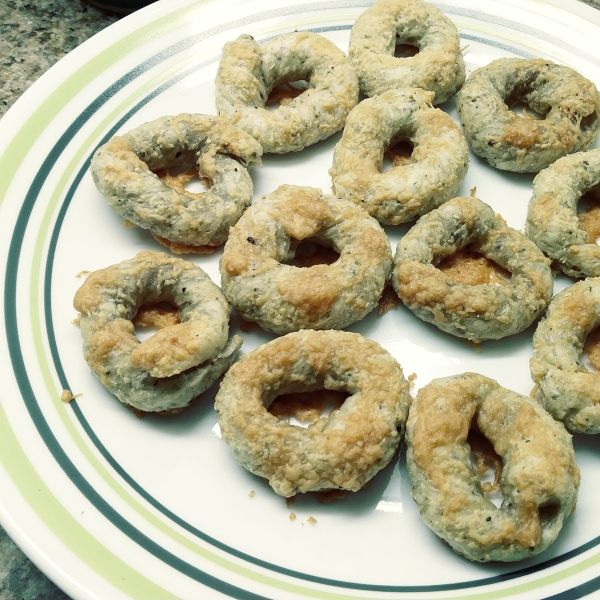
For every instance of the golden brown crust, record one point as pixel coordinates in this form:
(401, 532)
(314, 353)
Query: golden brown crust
(475, 312)
(343, 451)
(538, 468)
(177, 363)
(282, 297)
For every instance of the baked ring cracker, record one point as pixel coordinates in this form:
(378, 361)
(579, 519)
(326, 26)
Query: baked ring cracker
(282, 297)
(123, 171)
(552, 221)
(343, 451)
(249, 71)
(567, 390)
(569, 102)
(437, 166)
(539, 479)
(179, 362)
(475, 312)
(438, 67)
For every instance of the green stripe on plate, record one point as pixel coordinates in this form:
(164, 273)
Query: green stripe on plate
(65, 527)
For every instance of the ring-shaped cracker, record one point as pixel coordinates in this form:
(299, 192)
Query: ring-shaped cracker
(343, 451)
(539, 479)
(438, 67)
(569, 101)
(552, 221)
(284, 298)
(437, 166)
(169, 369)
(475, 312)
(249, 71)
(123, 171)
(567, 390)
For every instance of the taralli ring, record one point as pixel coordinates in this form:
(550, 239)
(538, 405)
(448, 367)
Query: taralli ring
(553, 222)
(249, 71)
(569, 102)
(282, 297)
(475, 312)
(437, 165)
(438, 66)
(169, 369)
(539, 479)
(567, 390)
(124, 168)
(343, 451)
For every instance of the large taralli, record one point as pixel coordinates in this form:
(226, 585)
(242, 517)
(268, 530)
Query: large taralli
(567, 390)
(438, 66)
(569, 102)
(249, 71)
(168, 370)
(344, 450)
(124, 168)
(437, 165)
(552, 219)
(282, 297)
(476, 312)
(539, 479)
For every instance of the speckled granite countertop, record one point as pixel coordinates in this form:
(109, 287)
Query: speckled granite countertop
(33, 36)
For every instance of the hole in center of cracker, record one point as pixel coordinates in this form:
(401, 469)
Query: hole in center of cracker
(471, 268)
(303, 408)
(284, 93)
(487, 465)
(311, 252)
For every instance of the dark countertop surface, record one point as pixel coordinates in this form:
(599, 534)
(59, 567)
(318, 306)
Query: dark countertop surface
(33, 36)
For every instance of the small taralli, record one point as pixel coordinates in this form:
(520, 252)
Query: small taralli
(569, 102)
(344, 450)
(124, 168)
(282, 297)
(438, 67)
(168, 370)
(567, 390)
(437, 165)
(539, 479)
(552, 221)
(475, 312)
(249, 71)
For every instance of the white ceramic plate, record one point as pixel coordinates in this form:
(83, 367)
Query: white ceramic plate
(112, 506)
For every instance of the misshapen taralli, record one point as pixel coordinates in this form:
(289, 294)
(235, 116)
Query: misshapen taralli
(552, 221)
(438, 66)
(123, 171)
(282, 297)
(539, 479)
(168, 370)
(477, 312)
(344, 450)
(567, 390)
(249, 71)
(569, 102)
(437, 166)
